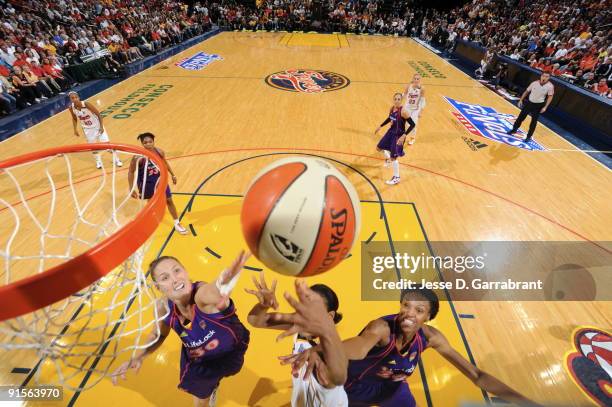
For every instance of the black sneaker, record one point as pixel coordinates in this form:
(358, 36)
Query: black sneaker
(511, 131)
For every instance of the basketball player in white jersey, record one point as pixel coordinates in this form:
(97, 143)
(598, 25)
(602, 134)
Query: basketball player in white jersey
(91, 123)
(319, 384)
(414, 102)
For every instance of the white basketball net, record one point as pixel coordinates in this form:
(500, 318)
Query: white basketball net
(77, 207)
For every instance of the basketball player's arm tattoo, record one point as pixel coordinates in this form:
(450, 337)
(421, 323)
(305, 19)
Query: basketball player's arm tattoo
(482, 379)
(375, 332)
(96, 112)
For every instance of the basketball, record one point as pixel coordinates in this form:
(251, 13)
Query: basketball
(300, 216)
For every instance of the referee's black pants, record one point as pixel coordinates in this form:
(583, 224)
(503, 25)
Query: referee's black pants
(529, 108)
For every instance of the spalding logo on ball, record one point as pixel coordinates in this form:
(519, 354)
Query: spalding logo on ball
(300, 216)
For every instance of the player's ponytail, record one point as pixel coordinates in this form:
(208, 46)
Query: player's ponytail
(331, 300)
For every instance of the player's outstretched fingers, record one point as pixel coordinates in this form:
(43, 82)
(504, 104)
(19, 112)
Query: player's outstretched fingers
(303, 291)
(313, 361)
(273, 289)
(294, 303)
(289, 359)
(256, 282)
(289, 332)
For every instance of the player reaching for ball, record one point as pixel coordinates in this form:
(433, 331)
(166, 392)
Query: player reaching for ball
(415, 102)
(392, 143)
(388, 349)
(319, 384)
(91, 123)
(204, 317)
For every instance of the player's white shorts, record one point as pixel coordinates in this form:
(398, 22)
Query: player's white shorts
(311, 394)
(93, 135)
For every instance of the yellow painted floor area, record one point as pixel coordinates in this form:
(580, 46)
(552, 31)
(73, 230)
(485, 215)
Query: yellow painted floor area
(263, 381)
(314, 40)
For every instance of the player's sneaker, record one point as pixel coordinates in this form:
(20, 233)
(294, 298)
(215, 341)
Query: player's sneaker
(118, 163)
(393, 181)
(99, 164)
(411, 141)
(180, 229)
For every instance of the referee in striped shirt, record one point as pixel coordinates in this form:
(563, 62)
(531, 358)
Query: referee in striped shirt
(540, 95)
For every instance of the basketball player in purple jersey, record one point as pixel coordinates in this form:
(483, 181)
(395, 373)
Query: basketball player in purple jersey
(388, 349)
(204, 317)
(147, 178)
(392, 143)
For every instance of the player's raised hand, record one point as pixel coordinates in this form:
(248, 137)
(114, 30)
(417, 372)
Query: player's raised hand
(229, 277)
(122, 370)
(309, 357)
(311, 314)
(265, 295)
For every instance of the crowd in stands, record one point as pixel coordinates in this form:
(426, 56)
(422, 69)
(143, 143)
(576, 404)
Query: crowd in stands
(40, 38)
(353, 16)
(571, 39)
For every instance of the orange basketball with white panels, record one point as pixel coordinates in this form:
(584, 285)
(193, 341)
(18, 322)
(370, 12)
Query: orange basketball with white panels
(300, 216)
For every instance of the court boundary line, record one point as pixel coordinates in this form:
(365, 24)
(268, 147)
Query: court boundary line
(508, 102)
(188, 207)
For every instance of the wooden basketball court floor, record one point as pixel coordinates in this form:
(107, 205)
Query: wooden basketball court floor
(221, 124)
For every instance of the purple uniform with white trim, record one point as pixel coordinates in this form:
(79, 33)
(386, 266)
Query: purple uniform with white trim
(213, 347)
(149, 183)
(365, 388)
(389, 140)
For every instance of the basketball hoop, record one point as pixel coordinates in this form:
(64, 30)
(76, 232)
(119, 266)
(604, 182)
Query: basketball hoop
(69, 295)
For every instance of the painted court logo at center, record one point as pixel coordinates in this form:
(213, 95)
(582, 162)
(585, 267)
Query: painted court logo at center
(307, 80)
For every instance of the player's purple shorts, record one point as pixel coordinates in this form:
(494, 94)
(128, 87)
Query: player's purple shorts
(201, 378)
(389, 142)
(362, 394)
(149, 189)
